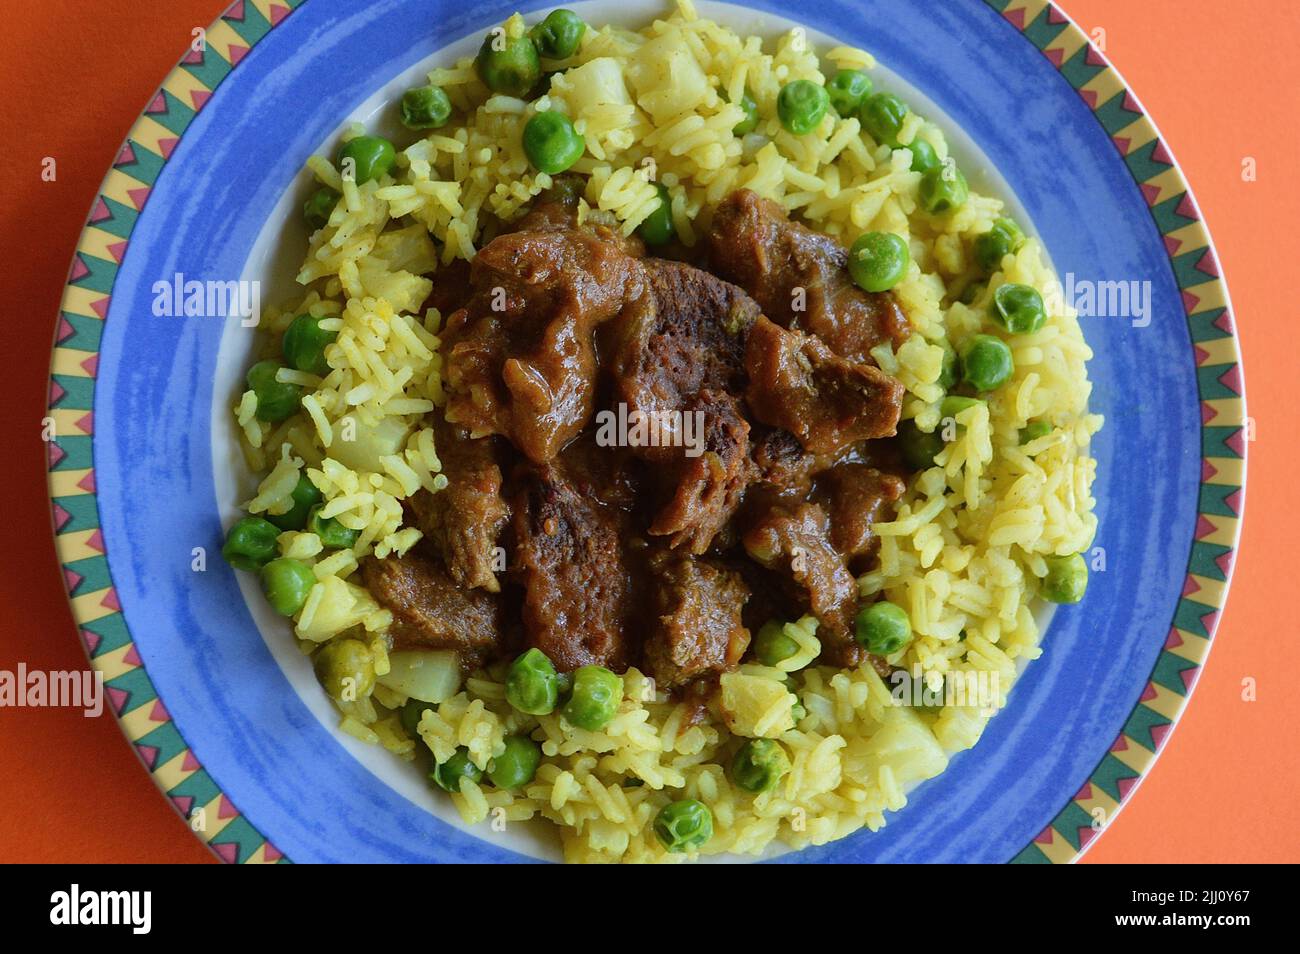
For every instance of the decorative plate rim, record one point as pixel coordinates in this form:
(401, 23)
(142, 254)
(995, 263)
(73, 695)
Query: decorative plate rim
(1220, 384)
(150, 143)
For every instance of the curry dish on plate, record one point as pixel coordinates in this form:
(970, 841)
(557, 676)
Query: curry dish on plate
(668, 442)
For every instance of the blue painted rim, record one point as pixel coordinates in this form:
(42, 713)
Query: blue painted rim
(287, 773)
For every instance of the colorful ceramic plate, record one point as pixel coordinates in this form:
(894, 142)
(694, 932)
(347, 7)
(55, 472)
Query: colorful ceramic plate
(222, 709)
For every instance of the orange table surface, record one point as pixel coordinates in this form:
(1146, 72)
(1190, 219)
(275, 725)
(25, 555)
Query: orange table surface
(1216, 77)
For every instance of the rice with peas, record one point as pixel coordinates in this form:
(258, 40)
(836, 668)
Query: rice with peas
(962, 556)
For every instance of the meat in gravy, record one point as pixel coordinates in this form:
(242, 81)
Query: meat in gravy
(656, 554)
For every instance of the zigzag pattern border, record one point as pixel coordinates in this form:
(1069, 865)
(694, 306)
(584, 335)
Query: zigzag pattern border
(73, 368)
(1223, 416)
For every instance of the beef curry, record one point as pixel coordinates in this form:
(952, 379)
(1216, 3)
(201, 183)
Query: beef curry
(663, 555)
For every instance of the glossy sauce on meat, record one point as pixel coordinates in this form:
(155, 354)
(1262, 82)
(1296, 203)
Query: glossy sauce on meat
(464, 520)
(856, 495)
(756, 501)
(697, 624)
(432, 611)
(571, 559)
(794, 539)
(521, 356)
(798, 277)
(827, 402)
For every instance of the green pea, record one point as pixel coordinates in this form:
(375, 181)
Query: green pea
(954, 404)
(304, 345)
(250, 544)
(1033, 431)
(425, 107)
(597, 694)
(1019, 308)
(882, 117)
(515, 767)
(986, 363)
(286, 584)
(684, 826)
(305, 496)
(411, 715)
(990, 248)
(943, 189)
(531, 684)
(750, 122)
(948, 369)
(551, 143)
(772, 645)
(919, 448)
(346, 669)
(878, 261)
(371, 157)
(759, 765)
(276, 400)
(924, 158)
(333, 535)
(514, 69)
(848, 89)
(1066, 580)
(447, 775)
(883, 628)
(1001, 240)
(557, 37)
(657, 227)
(800, 106)
(563, 684)
(316, 210)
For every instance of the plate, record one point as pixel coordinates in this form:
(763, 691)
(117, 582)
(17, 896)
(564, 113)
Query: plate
(209, 689)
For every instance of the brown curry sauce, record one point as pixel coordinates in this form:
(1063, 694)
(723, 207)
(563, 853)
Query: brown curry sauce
(649, 555)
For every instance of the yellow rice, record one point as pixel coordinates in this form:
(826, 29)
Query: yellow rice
(970, 534)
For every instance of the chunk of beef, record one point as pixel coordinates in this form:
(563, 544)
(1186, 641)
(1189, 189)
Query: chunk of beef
(754, 244)
(520, 358)
(686, 334)
(794, 539)
(677, 365)
(464, 519)
(785, 467)
(610, 474)
(706, 488)
(451, 288)
(782, 461)
(431, 611)
(570, 558)
(796, 383)
(697, 629)
(856, 496)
